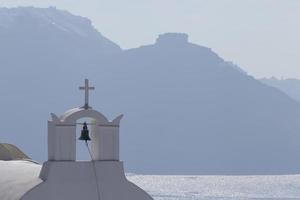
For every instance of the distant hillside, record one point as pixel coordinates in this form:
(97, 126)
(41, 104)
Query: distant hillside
(289, 86)
(187, 111)
(195, 114)
(36, 35)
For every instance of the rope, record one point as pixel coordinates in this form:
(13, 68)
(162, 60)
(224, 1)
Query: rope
(94, 169)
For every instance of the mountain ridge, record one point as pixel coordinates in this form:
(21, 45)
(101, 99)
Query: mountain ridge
(187, 110)
(290, 86)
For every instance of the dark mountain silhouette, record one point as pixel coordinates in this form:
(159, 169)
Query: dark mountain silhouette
(187, 111)
(290, 86)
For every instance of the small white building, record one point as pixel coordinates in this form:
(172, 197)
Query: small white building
(64, 178)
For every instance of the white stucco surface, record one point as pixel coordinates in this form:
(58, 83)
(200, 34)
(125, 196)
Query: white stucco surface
(67, 180)
(17, 178)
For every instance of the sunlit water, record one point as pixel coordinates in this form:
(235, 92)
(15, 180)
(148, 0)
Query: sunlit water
(220, 187)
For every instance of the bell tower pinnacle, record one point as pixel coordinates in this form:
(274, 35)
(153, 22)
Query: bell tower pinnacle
(86, 89)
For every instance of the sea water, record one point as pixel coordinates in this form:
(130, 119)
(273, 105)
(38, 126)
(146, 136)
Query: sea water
(285, 187)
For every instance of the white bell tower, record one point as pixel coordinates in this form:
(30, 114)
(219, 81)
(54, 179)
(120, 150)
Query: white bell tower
(62, 133)
(62, 136)
(102, 178)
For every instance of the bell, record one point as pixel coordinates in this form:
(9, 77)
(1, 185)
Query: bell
(84, 133)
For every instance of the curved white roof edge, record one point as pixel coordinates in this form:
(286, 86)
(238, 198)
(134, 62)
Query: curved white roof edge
(17, 178)
(71, 115)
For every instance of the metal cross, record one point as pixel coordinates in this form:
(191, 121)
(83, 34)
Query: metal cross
(86, 89)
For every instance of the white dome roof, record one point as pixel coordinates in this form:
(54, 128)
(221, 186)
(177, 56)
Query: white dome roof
(17, 178)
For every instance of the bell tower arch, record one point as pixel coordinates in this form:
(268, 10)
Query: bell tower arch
(62, 136)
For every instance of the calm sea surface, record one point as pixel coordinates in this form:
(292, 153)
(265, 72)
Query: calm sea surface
(219, 187)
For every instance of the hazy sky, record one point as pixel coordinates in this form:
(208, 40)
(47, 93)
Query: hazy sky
(261, 36)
